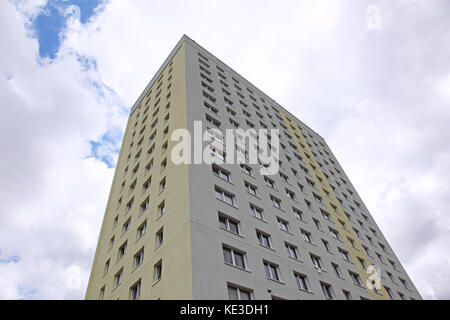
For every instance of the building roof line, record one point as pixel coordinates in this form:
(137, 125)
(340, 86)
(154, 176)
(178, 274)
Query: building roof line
(192, 42)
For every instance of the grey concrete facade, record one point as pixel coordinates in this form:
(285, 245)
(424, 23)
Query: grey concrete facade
(240, 102)
(211, 276)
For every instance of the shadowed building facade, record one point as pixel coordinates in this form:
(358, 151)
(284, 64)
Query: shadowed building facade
(224, 231)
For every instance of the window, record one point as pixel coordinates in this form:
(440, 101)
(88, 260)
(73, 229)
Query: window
(269, 182)
(335, 234)
(389, 292)
(161, 209)
(234, 123)
(162, 185)
(327, 290)
(302, 188)
(276, 202)
(234, 257)
(107, 264)
(236, 293)
(337, 270)
(380, 257)
(284, 177)
(306, 235)
(130, 204)
(221, 173)
(304, 169)
(111, 242)
(141, 230)
(347, 295)
(210, 108)
(138, 258)
(126, 226)
(135, 291)
(311, 183)
(101, 294)
(118, 278)
(163, 164)
(344, 226)
(159, 237)
(138, 154)
(317, 224)
(309, 205)
(122, 250)
(148, 166)
(152, 136)
(298, 214)
(246, 169)
(212, 120)
(367, 250)
(326, 245)
(145, 204)
(317, 198)
(302, 281)
(356, 279)
(283, 224)
(135, 170)
(257, 212)
(292, 251)
(374, 232)
(390, 276)
(251, 188)
(157, 271)
(362, 263)
(146, 184)
(393, 264)
(401, 295)
(264, 239)
(164, 147)
(224, 196)
(272, 271)
(405, 285)
(221, 155)
(344, 254)
(205, 70)
(229, 224)
(290, 194)
(317, 262)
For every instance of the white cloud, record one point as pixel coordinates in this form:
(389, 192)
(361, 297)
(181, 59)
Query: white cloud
(378, 96)
(53, 194)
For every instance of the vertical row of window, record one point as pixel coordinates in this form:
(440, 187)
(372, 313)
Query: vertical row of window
(355, 202)
(143, 121)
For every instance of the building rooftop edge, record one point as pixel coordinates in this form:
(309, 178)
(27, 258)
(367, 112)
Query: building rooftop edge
(184, 38)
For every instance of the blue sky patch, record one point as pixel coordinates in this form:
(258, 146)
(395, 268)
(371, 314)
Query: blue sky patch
(8, 259)
(26, 294)
(52, 21)
(107, 146)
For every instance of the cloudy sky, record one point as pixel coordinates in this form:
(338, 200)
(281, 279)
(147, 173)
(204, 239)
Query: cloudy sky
(372, 77)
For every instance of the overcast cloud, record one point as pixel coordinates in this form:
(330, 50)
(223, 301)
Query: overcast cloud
(372, 77)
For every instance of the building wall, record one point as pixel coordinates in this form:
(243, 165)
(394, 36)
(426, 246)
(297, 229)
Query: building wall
(192, 250)
(210, 274)
(148, 119)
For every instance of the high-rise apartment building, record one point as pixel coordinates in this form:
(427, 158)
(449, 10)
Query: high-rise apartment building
(225, 231)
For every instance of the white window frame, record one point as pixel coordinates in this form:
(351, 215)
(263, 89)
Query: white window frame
(302, 281)
(234, 252)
